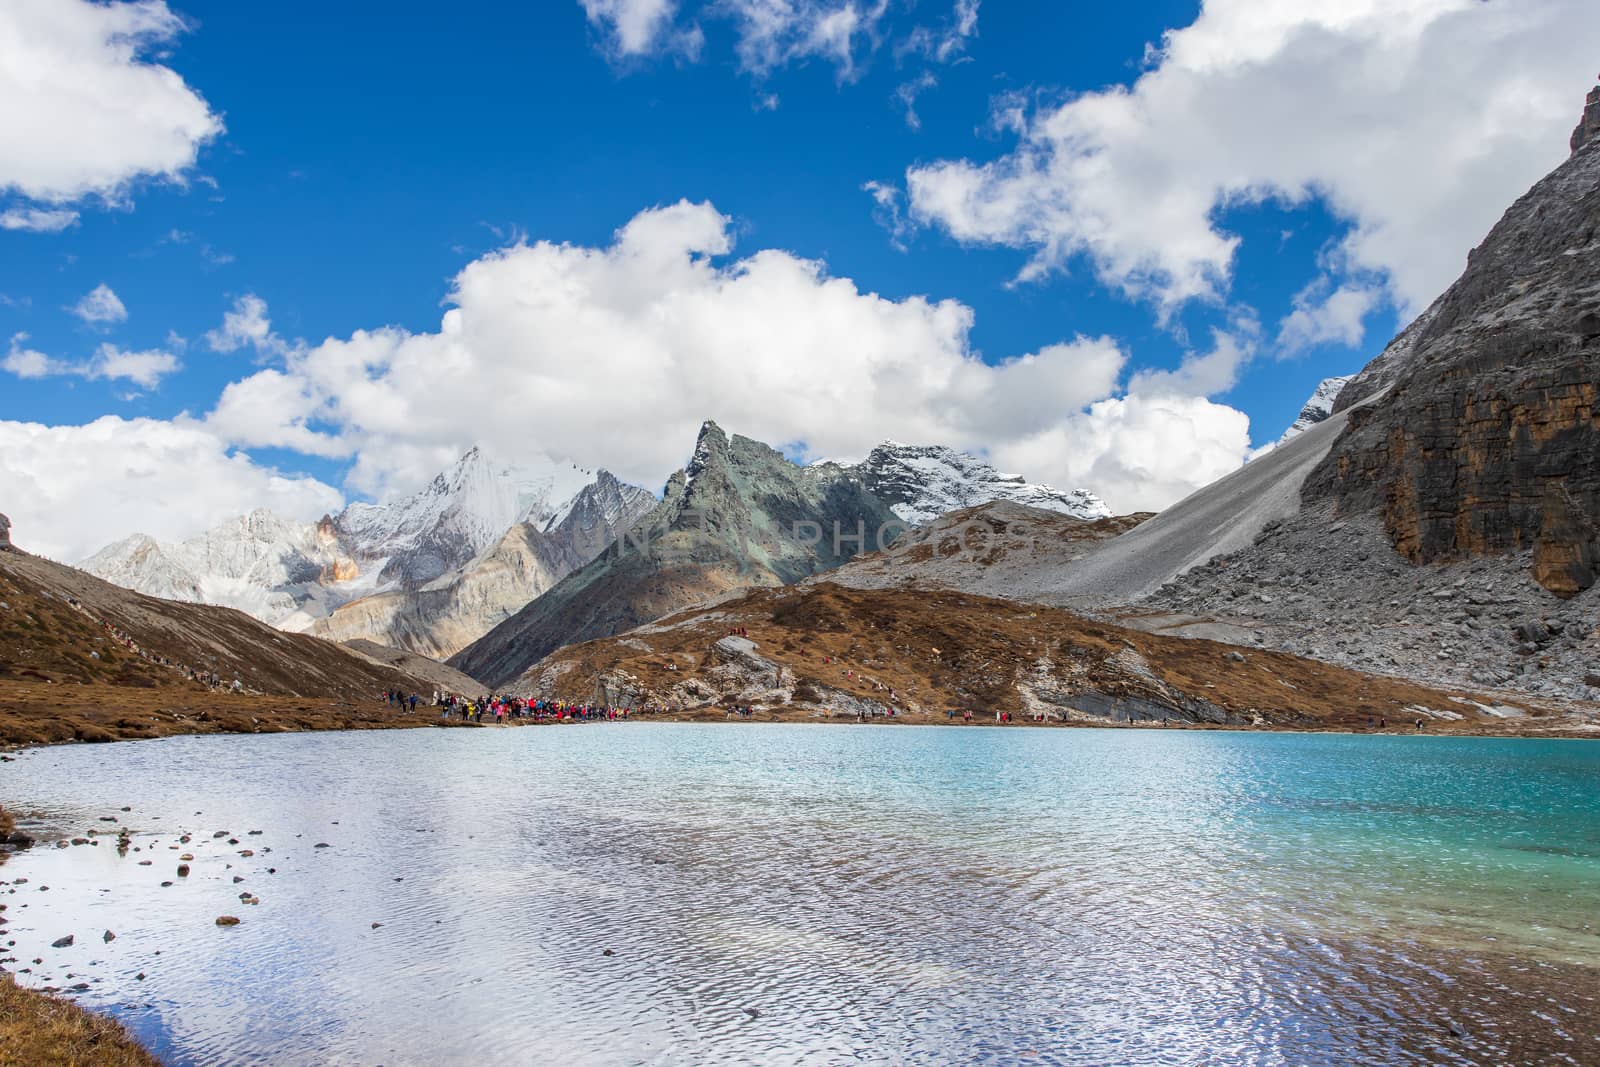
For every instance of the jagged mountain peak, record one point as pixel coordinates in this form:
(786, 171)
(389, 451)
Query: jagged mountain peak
(922, 482)
(1589, 125)
(1318, 407)
(710, 447)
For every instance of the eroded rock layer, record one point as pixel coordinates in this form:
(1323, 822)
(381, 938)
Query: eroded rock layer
(1488, 440)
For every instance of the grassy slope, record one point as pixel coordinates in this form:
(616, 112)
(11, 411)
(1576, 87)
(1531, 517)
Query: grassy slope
(941, 650)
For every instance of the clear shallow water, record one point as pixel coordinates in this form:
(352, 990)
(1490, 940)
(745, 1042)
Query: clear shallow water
(816, 894)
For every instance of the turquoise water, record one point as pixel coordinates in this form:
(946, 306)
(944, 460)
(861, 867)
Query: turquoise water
(825, 894)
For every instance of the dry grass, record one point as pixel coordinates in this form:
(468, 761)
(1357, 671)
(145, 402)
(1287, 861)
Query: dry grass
(44, 1031)
(34, 712)
(941, 650)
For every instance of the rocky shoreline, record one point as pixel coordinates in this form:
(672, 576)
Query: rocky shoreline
(49, 1031)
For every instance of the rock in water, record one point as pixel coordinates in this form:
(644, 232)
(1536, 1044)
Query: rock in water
(227, 920)
(62, 942)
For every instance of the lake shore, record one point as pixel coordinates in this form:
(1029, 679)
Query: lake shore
(35, 713)
(48, 1031)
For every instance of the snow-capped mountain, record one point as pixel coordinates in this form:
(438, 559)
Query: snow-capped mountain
(922, 482)
(463, 511)
(259, 563)
(452, 611)
(1318, 408)
(293, 574)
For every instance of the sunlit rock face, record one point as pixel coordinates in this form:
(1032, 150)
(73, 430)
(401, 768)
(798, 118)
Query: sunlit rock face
(1488, 440)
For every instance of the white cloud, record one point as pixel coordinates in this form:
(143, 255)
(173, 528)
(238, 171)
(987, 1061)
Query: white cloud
(1139, 452)
(948, 43)
(1416, 121)
(29, 363)
(1213, 372)
(83, 112)
(1326, 315)
(37, 220)
(246, 324)
(775, 33)
(642, 27)
(613, 356)
(70, 490)
(145, 369)
(770, 34)
(101, 307)
(907, 92)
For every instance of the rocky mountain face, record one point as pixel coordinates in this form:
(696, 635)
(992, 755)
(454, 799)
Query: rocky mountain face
(1487, 441)
(429, 572)
(922, 482)
(1318, 408)
(1588, 126)
(1446, 528)
(739, 515)
(450, 612)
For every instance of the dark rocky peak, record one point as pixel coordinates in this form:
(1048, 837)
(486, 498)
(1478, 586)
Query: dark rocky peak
(5, 533)
(1589, 125)
(710, 449)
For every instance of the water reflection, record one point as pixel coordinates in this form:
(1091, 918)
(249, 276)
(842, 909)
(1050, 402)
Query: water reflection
(750, 894)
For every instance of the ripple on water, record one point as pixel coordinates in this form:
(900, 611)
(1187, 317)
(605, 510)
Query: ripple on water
(689, 895)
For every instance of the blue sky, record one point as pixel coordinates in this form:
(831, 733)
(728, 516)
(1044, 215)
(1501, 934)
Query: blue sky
(367, 156)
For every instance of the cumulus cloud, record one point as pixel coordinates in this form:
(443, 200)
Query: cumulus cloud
(83, 111)
(37, 220)
(30, 363)
(109, 363)
(1202, 374)
(612, 356)
(1324, 314)
(246, 325)
(71, 489)
(1139, 452)
(1415, 121)
(101, 307)
(144, 369)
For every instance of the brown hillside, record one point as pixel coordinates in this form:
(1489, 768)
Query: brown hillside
(823, 646)
(83, 659)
